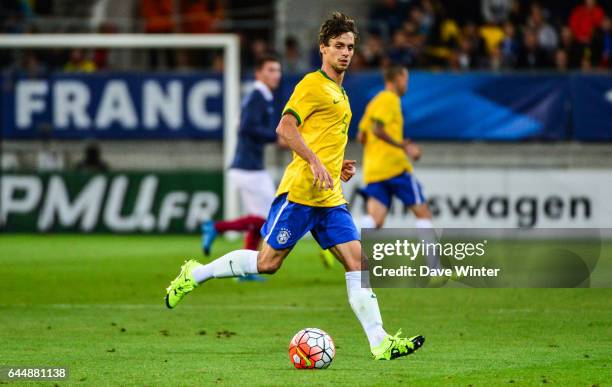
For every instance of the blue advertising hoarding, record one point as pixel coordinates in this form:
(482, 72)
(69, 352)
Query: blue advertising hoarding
(438, 106)
(112, 106)
(496, 107)
(592, 108)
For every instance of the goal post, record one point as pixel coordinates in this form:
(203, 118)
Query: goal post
(231, 74)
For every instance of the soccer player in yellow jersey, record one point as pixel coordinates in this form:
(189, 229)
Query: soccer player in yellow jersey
(387, 170)
(314, 125)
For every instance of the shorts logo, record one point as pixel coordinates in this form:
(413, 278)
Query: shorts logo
(283, 236)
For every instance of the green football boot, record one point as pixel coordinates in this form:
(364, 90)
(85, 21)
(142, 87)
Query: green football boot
(183, 284)
(327, 258)
(393, 347)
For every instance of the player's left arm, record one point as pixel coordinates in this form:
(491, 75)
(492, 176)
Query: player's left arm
(349, 169)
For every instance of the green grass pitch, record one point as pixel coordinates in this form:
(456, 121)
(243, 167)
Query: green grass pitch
(95, 305)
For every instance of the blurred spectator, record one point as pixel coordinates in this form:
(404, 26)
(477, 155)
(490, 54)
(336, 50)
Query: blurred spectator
(495, 11)
(100, 54)
(463, 58)
(257, 48)
(518, 13)
(561, 60)
(31, 66)
(574, 51)
(494, 61)
(400, 51)
(509, 47)
(429, 17)
(547, 36)
(200, 16)
(373, 51)
(292, 60)
(449, 32)
(602, 45)
(532, 56)
(79, 63)
(158, 16)
(387, 17)
(422, 21)
(587, 65)
(442, 41)
(478, 45)
(159, 19)
(585, 19)
(415, 38)
(471, 52)
(92, 160)
(493, 35)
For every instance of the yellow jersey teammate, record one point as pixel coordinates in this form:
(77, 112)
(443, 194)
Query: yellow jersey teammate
(387, 170)
(314, 125)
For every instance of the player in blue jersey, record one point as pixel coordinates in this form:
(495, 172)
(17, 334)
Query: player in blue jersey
(247, 174)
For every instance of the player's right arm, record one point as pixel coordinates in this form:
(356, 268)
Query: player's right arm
(304, 100)
(287, 130)
(411, 149)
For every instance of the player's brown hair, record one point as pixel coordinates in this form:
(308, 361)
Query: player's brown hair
(393, 71)
(336, 26)
(262, 60)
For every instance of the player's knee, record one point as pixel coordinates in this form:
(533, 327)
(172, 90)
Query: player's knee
(268, 267)
(269, 264)
(422, 211)
(354, 264)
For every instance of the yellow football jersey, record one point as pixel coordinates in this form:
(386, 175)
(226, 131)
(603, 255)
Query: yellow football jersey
(382, 161)
(322, 110)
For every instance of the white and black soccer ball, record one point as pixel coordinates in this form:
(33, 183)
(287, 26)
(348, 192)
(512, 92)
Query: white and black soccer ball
(311, 348)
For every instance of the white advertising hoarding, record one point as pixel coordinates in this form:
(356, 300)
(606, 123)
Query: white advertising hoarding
(483, 198)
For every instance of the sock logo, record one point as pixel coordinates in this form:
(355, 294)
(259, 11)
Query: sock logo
(283, 236)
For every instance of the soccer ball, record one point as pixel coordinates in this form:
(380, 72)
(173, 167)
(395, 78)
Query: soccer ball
(311, 348)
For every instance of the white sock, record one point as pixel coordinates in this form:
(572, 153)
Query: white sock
(423, 223)
(428, 234)
(234, 264)
(365, 306)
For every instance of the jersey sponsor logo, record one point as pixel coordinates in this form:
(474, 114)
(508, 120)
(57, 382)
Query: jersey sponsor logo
(336, 101)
